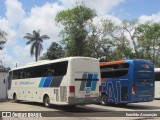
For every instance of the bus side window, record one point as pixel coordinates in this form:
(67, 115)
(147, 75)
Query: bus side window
(16, 74)
(157, 76)
(53, 69)
(50, 72)
(61, 68)
(22, 74)
(121, 69)
(28, 75)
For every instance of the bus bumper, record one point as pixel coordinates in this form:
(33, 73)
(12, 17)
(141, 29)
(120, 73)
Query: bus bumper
(82, 101)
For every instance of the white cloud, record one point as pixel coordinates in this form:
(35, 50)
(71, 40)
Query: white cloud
(15, 12)
(153, 18)
(22, 54)
(102, 7)
(43, 19)
(17, 24)
(6, 59)
(12, 36)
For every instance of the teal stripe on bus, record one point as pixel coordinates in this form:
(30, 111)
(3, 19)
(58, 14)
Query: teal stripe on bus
(83, 83)
(47, 82)
(94, 83)
(42, 81)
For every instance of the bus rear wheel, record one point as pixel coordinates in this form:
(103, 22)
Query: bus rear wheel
(47, 101)
(104, 99)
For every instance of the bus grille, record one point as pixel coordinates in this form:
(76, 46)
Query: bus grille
(63, 93)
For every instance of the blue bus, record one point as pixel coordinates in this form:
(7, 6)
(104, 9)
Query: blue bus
(127, 81)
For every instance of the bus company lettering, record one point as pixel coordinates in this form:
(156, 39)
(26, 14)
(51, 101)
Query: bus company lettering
(114, 93)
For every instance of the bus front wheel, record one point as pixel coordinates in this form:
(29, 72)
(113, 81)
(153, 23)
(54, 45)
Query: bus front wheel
(15, 98)
(47, 101)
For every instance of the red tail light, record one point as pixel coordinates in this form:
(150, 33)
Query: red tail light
(133, 89)
(100, 88)
(71, 89)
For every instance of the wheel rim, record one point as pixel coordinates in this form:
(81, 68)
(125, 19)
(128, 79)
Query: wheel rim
(104, 99)
(47, 102)
(15, 98)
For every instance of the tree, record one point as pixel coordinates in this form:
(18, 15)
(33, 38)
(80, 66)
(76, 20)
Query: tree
(55, 51)
(129, 27)
(122, 44)
(148, 38)
(108, 40)
(75, 32)
(3, 38)
(36, 42)
(99, 42)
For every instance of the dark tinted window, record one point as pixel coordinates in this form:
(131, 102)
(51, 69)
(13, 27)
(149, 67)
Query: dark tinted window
(55, 69)
(157, 76)
(117, 70)
(107, 71)
(61, 68)
(16, 74)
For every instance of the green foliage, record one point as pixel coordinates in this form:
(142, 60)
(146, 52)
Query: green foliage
(109, 42)
(55, 51)
(35, 40)
(148, 39)
(75, 32)
(106, 40)
(3, 38)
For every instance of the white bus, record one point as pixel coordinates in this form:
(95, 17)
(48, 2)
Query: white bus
(157, 83)
(66, 81)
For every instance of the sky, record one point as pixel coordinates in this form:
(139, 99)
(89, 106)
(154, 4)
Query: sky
(18, 17)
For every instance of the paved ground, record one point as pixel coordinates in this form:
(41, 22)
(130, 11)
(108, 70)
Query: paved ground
(85, 112)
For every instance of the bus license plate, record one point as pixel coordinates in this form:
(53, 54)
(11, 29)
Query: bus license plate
(87, 96)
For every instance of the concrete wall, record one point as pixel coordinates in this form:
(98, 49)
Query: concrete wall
(3, 85)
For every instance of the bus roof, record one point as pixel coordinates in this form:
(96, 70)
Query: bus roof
(156, 69)
(120, 61)
(44, 62)
(110, 63)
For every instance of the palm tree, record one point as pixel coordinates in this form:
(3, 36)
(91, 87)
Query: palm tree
(3, 38)
(36, 40)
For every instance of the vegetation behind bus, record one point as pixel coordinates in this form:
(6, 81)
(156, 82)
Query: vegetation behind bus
(106, 39)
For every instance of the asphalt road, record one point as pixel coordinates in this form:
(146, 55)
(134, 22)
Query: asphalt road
(134, 111)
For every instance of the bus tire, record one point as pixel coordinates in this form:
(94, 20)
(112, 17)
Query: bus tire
(46, 101)
(104, 99)
(15, 98)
